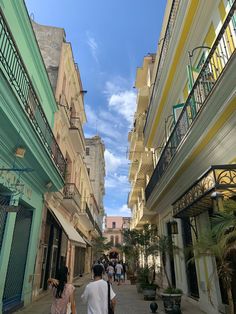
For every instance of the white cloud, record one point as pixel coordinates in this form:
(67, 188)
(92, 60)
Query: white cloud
(117, 183)
(93, 46)
(125, 209)
(112, 162)
(124, 103)
(121, 99)
(122, 211)
(100, 125)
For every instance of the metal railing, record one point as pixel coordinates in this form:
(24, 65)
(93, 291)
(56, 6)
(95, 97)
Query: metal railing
(98, 229)
(216, 61)
(64, 104)
(75, 123)
(88, 212)
(164, 49)
(13, 68)
(71, 192)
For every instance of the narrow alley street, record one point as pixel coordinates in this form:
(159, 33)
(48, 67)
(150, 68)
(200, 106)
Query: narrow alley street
(128, 302)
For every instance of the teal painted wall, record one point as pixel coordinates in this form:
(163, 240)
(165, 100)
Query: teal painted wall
(34, 199)
(18, 20)
(16, 130)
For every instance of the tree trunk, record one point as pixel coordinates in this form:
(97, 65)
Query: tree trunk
(230, 299)
(165, 272)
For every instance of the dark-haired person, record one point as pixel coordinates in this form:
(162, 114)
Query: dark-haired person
(96, 293)
(63, 293)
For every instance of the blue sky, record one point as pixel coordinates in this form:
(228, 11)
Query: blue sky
(109, 40)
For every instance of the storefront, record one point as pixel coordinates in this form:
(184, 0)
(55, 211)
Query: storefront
(19, 227)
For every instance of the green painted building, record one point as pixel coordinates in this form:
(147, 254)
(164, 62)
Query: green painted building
(31, 162)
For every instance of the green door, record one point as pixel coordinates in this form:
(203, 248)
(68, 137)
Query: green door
(17, 261)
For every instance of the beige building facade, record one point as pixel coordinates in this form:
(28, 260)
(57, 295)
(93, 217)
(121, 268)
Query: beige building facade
(94, 159)
(70, 215)
(141, 158)
(113, 232)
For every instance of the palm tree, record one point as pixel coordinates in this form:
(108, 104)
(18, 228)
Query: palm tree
(220, 242)
(100, 246)
(165, 247)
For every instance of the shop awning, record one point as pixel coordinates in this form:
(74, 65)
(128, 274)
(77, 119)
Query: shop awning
(68, 228)
(217, 180)
(88, 242)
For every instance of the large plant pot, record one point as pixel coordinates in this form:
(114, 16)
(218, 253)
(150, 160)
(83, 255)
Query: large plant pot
(171, 301)
(132, 279)
(149, 294)
(139, 287)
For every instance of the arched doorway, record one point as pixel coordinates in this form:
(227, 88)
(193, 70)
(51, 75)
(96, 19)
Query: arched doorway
(114, 254)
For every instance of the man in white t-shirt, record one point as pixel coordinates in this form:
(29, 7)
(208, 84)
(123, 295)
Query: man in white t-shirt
(119, 271)
(96, 293)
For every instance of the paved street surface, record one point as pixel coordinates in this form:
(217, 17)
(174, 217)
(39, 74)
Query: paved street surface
(128, 302)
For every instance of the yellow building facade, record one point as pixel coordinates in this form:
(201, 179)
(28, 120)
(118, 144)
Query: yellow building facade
(71, 214)
(191, 129)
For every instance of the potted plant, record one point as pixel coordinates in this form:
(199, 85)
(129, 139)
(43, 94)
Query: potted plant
(146, 282)
(142, 276)
(171, 296)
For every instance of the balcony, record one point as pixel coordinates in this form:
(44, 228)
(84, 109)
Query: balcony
(71, 198)
(164, 50)
(97, 229)
(218, 180)
(66, 110)
(16, 73)
(86, 217)
(142, 99)
(141, 215)
(212, 70)
(77, 134)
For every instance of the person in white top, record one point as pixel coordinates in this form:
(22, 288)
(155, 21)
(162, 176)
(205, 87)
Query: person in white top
(119, 271)
(110, 272)
(96, 293)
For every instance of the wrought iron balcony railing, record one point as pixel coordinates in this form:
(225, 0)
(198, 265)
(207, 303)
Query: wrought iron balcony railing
(71, 192)
(98, 229)
(75, 123)
(164, 49)
(16, 73)
(64, 104)
(88, 212)
(216, 61)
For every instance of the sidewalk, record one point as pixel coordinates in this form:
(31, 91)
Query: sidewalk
(128, 301)
(43, 304)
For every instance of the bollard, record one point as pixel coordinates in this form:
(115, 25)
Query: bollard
(176, 309)
(153, 307)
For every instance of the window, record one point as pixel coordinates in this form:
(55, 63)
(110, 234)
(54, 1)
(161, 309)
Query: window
(112, 239)
(88, 169)
(113, 224)
(87, 151)
(117, 239)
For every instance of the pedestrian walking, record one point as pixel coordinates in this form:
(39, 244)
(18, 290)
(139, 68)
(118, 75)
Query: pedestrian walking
(125, 266)
(119, 271)
(96, 294)
(62, 293)
(110, 272)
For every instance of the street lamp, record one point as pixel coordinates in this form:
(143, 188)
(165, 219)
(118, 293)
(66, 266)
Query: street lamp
(190, 55)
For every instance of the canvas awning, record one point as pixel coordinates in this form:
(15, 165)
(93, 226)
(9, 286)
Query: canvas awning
(88, 242)
(68, 228)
